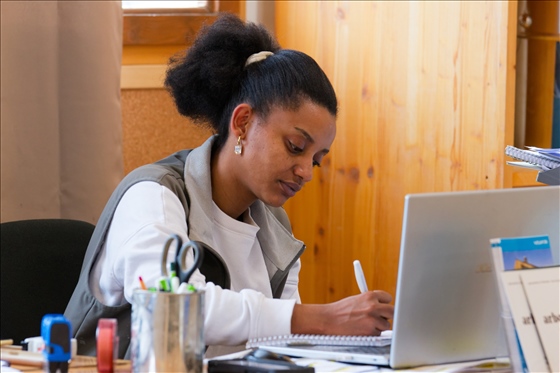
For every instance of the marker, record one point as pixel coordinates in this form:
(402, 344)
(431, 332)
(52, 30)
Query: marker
(164, 284)
(174, 280)
(360, 278)
(185, 288)
(142, 284)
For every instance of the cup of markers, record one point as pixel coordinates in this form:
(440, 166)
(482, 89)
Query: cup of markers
(167, 320)
(167, 328)
(170, 284)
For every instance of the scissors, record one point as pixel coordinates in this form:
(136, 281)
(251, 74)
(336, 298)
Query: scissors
(183, 272)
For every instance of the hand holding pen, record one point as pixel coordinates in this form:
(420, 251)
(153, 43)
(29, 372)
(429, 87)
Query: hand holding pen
(383, 311)
(360, 278)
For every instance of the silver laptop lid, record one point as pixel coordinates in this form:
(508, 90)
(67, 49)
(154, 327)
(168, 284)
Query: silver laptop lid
(447, 306)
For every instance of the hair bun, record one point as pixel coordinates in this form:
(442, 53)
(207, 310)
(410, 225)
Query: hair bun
(203, 80)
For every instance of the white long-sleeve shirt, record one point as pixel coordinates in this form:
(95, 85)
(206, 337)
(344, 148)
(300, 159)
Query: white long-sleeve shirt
(146, 216)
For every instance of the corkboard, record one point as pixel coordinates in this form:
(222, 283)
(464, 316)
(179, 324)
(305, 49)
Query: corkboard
(152, 128)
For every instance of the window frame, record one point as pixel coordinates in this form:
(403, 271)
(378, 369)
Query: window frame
(171, 26)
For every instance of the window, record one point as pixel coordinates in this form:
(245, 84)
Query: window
(161, 5)
(152, 35)
(170, 26)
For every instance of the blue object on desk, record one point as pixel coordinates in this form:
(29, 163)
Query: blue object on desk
(56, 331)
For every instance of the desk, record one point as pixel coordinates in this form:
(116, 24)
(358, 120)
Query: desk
(498, 365)
(32, 362)
(88, 364)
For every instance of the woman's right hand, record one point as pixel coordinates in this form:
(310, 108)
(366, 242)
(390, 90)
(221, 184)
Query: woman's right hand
(363, 314)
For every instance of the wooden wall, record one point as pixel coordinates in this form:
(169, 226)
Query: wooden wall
(426, 104)
(542, 36)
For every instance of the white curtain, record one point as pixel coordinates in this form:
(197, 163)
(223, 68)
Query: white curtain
(61, 152)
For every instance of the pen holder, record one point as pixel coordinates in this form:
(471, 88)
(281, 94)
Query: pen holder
(167, 332)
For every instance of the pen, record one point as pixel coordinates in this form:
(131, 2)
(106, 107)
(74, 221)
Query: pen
(360, 278)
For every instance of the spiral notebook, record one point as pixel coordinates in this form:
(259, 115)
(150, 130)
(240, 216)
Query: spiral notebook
(321, 340)
(546, 159)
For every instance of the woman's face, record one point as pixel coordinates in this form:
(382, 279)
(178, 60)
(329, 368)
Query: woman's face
(280, 152)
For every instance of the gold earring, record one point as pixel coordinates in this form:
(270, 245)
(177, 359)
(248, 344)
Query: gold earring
(238, 148)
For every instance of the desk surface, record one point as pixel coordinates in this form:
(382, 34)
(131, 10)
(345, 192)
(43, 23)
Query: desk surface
(30, 362)
(26, 361)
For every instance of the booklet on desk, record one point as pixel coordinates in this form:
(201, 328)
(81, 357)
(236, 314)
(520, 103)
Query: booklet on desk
(512, 256)
(542, 289)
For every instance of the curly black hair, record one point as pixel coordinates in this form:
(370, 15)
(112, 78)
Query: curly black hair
(211, 78)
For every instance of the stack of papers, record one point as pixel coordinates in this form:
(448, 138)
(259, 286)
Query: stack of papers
(490, 365)
(533, 157)
(499, 365)
(546, 161)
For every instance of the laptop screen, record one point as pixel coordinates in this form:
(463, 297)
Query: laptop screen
(447, 305)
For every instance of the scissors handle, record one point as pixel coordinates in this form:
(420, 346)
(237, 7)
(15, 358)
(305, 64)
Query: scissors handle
(181, 260)
(168, 243)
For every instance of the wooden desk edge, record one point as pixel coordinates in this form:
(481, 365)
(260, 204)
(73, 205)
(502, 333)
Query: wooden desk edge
(26, 361)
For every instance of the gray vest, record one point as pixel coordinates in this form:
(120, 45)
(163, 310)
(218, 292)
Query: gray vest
(84, 310)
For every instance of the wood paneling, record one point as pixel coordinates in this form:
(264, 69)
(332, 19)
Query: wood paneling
(422, 89)
(542, 39)
(150, 54)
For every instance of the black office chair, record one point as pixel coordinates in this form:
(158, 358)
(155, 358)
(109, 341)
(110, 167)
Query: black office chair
(40, 265)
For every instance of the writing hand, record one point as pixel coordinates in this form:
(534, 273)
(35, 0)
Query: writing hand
(363, 314)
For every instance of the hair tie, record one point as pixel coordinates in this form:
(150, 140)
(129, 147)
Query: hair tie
(257, 57)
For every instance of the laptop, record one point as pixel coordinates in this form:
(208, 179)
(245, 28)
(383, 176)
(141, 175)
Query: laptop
(447, 304)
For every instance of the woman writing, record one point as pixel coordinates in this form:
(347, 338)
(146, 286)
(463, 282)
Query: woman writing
(273, 112)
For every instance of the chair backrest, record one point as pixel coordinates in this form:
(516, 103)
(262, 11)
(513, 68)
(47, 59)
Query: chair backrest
(40, 265)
